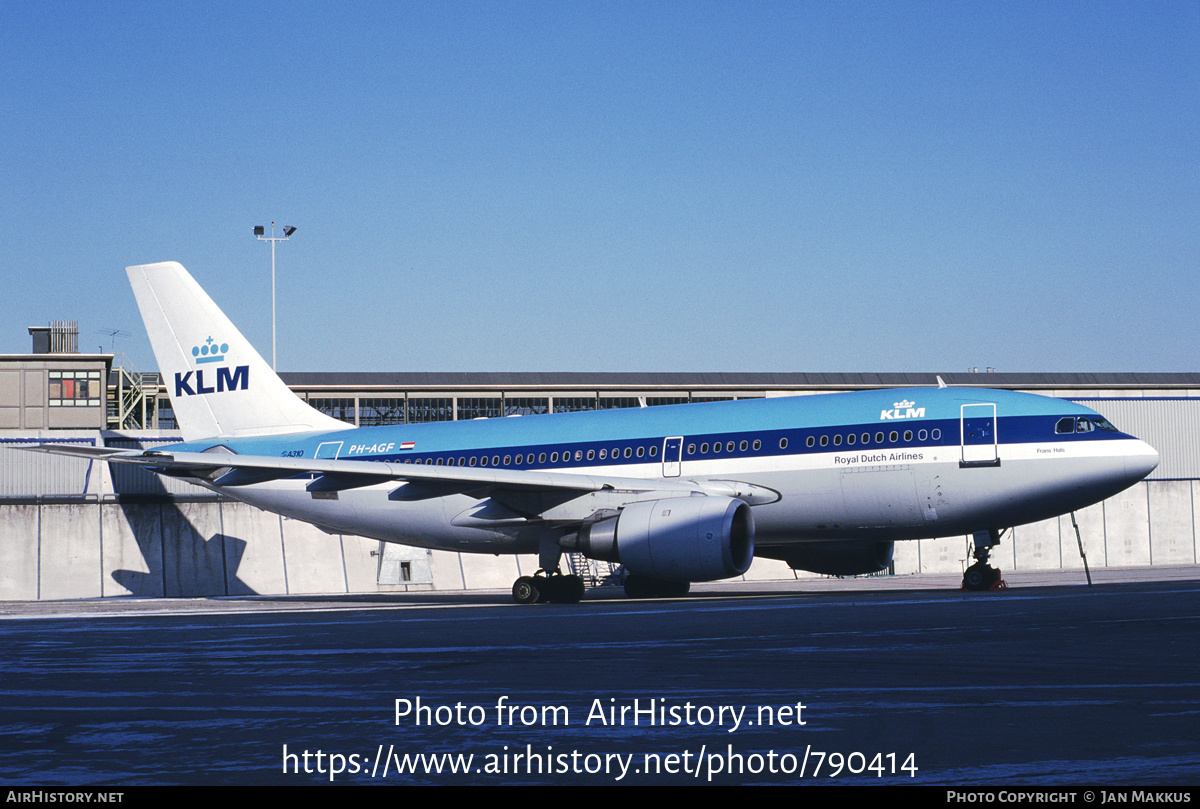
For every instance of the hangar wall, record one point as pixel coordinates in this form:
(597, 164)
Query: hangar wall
(57, 550)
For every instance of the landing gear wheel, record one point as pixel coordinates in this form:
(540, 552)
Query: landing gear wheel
(572, 589)
(980, 576)
(554, 589)
(525, 591)
(675, 589)
(561, 589)
(547, 589)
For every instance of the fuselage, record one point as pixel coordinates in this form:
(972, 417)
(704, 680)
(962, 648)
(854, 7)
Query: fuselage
(882, 465)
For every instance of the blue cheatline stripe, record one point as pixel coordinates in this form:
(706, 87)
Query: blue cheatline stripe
(913, 435)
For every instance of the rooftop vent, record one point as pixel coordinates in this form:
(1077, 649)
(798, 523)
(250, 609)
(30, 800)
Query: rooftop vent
(60, 337)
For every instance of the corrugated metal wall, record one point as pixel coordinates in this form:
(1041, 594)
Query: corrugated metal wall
(128, 479)
(36, 474)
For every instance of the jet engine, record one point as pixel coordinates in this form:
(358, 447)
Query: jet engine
(848, 558)
(680, 538)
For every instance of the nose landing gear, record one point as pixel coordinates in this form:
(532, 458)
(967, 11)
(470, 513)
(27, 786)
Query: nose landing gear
(981, 575)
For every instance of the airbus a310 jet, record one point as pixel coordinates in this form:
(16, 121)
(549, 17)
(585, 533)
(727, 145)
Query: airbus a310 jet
(674, 494)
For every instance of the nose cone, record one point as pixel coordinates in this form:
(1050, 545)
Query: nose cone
(1140, 460)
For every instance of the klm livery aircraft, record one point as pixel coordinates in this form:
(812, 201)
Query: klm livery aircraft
(675, 494)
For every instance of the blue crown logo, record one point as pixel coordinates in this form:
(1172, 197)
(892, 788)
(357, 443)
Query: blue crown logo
(210, 351)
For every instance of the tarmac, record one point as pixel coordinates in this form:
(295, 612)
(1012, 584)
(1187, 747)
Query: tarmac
(897, 680)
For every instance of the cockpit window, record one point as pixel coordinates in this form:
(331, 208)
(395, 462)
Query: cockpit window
(1083, 424)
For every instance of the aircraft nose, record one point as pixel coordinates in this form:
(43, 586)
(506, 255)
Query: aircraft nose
(1141, 460)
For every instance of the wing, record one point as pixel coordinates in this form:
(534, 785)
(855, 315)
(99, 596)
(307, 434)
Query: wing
(530, 491)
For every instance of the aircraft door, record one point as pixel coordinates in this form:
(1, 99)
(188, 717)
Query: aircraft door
(980, 445)
(329, 450)
(672, 454)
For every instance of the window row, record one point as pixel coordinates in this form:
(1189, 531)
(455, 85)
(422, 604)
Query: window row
(865, 438)
(693, 449)
(521, 459)
(374, 412)
(75, 389)
(728, 446)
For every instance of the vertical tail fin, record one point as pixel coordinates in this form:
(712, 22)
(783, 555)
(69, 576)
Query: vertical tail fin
(218, 383)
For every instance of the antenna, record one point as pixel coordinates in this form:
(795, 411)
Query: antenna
(113, 334)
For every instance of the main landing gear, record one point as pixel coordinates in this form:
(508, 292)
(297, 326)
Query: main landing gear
(554, 588)
(548, 585)
(981, 575)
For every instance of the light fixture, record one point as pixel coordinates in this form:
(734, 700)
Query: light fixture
(260, 232)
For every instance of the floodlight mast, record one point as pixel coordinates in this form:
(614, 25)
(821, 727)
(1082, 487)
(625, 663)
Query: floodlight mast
(259, 232)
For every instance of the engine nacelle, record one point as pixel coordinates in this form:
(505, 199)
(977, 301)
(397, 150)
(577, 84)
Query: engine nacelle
(680, 538)
(831, 558)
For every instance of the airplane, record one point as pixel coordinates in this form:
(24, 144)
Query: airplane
(674, 494)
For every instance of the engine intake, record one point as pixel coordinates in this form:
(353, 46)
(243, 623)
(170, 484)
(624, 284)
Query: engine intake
(681, 538)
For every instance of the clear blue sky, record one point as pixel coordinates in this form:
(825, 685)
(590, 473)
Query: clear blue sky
(685, 186)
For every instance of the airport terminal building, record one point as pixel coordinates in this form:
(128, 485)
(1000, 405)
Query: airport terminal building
(74, 529)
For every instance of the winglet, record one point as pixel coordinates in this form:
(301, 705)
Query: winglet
(941, 382)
